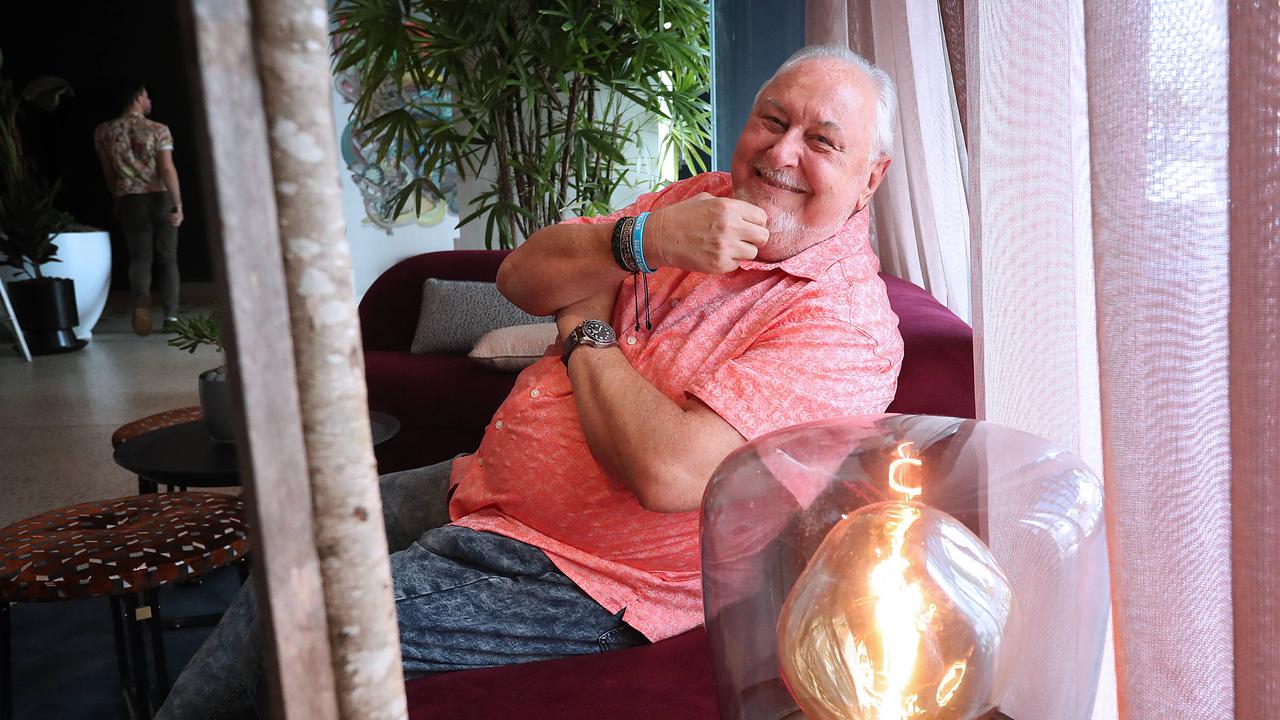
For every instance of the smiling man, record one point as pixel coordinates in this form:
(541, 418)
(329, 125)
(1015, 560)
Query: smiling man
(721, 308)
(764, 311)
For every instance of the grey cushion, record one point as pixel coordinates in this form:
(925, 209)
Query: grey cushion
(456, 313)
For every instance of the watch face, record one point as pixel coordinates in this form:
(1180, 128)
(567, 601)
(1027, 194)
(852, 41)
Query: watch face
(598, 332)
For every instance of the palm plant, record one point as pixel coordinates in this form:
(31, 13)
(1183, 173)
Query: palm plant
(555, 92)
(28, 218)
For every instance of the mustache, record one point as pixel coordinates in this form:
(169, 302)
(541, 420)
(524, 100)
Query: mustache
(782, 177)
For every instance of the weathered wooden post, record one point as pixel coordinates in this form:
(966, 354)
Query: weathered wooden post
(321, 565)
(270, 446)
(292, 43)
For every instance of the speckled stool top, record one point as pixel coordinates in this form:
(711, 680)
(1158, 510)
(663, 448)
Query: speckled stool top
(119, 546)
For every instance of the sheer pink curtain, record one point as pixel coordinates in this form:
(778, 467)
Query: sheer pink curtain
(1158, 95)
(1033, 277)
(920, 215)
(1182, 228)
(953, 32)
(1124, 197)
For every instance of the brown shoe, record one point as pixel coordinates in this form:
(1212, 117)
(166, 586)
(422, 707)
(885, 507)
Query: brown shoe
(142, 321)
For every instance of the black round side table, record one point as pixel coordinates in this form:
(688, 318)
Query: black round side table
(185, 456)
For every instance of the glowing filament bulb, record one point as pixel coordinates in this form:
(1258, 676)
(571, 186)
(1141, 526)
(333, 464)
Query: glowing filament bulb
(898, 469)
(870, 633)
(899, 605)
(950, 682)
(873, 631)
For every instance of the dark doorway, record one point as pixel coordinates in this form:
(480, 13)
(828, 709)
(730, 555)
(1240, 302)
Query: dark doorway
(751, 39)
(97, 47)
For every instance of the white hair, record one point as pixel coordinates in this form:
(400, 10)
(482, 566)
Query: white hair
(886, 94)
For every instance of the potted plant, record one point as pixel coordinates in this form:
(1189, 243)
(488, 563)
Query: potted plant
(189, 333)
(45, 306)
(555, 94)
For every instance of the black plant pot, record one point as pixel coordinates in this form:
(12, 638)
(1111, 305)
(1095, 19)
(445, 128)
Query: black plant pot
(46, 309)
(215, 404)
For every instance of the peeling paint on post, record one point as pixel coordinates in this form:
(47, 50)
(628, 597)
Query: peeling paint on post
(292, 47)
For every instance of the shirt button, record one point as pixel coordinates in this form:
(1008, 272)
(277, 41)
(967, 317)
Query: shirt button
(498, 425)
(535, 393)
(479, 461)
(631, 340)
(675, 302)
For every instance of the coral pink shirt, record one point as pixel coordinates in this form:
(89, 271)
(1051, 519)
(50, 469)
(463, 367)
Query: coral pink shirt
(766, 346)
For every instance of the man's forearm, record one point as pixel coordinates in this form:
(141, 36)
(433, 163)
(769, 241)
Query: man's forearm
(663, 452)
(108, 175)
(170, 177)
(558, 266)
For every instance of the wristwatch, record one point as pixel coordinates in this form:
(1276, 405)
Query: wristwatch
(595, 333)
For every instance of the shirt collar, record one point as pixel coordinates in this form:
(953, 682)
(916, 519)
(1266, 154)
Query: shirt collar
(812, 262)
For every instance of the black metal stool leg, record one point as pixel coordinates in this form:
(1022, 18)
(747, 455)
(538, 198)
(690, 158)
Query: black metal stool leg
(138, 655)
(6, 664)
(121, 643)
(156, 628)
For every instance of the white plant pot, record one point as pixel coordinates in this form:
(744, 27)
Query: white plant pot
(86, 258)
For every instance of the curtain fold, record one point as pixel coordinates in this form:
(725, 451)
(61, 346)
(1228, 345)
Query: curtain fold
(1254, 167)
(1159, 131)
(920, 216)
(953, 32)
(1030, 214)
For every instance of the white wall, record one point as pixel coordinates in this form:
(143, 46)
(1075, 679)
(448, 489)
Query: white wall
(373, 249)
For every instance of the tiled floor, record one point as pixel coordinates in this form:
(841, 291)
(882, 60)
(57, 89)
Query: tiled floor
(57, 413)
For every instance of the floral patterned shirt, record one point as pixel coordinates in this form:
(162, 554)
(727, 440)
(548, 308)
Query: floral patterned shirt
(131, 144)
(767, 346)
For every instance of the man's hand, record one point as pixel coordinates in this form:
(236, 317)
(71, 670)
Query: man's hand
(175, 217)
(705, 233)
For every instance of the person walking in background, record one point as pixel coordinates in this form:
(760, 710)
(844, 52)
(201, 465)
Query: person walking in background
(137, 163)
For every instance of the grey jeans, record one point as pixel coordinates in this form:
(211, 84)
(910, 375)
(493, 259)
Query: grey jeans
(464, 599)
(144, 218)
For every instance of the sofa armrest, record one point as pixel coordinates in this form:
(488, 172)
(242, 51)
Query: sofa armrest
(389, 309)
(937, 358)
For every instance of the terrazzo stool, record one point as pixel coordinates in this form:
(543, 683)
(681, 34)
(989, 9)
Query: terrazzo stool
(124, 549)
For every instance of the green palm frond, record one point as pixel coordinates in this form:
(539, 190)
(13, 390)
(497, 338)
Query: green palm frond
(553, 92)
(192, 331)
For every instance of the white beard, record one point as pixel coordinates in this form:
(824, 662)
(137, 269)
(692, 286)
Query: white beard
(787, 235)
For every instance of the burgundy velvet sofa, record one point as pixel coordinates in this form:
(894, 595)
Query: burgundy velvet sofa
(444, 401)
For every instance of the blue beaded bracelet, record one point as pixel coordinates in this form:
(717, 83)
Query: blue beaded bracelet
(637, 244)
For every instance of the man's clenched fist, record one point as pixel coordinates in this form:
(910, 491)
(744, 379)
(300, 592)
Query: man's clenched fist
(705, 233)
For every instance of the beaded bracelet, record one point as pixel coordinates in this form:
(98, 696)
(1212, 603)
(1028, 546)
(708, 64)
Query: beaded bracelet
(622, 246)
